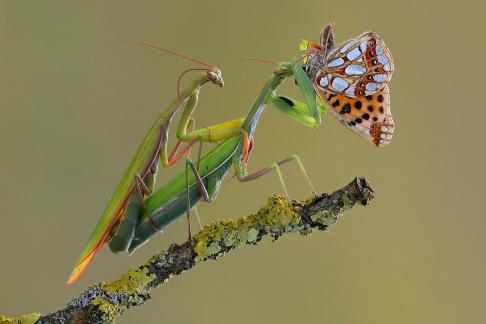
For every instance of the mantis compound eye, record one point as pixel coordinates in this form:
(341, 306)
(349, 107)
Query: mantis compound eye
(215, 76)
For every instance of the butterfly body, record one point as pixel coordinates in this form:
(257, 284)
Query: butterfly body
(351, 79)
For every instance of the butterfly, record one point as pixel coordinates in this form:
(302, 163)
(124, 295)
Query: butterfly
(351, 79)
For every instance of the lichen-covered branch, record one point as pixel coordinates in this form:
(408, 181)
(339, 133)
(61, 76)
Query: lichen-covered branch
(105, 301)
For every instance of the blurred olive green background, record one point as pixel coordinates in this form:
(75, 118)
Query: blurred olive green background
(68, 130)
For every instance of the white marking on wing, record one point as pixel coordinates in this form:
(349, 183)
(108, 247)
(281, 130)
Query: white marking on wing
(382, 59)
(372, 86)
(350, 91)
(380, 77)
(354, 69)
(353, 54)
(336, 62)
(324, 81)
(379, 50)
(363, 46)
(339, 84)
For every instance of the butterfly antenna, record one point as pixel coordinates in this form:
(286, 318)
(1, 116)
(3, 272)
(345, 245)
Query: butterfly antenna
(263, 61)
(307, 52)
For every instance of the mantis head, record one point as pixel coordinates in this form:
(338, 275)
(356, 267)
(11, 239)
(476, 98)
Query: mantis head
(214, 75)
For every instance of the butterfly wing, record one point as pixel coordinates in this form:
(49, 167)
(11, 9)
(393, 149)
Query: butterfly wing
(359, 67)
(369, 116)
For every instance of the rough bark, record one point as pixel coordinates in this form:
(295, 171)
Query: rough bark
(105, 301)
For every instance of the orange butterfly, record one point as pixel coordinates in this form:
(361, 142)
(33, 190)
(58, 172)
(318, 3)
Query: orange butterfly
(352, 80)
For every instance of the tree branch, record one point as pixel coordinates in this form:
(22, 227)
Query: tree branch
(105, 301)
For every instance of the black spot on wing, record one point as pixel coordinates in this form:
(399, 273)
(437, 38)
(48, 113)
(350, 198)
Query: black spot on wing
(346, 109)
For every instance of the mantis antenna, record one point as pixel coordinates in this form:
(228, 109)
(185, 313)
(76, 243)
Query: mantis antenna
(209, 67)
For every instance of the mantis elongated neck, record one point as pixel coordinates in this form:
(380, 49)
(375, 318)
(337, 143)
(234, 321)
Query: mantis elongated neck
(251, 119)
(169, 112)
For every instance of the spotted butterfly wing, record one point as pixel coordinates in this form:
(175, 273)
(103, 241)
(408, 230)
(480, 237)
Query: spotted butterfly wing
(368, 116)
(359, 67)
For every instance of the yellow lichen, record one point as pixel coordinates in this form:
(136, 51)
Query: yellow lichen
(135, 280)
(110, 310)
(277, 217)
(25, 319)
(278, 214)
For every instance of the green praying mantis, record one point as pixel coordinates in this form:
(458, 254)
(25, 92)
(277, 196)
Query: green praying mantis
(136, 212)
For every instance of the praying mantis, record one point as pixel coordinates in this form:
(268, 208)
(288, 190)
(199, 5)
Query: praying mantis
(136, 212)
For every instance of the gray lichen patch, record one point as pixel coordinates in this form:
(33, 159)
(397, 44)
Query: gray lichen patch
(325, 218)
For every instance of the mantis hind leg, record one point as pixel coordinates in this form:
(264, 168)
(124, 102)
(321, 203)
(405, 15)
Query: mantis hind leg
(196, 213)
(245, 177)
(123, 234)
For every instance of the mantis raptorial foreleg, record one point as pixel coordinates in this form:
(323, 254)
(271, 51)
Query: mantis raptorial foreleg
(122, 235)
(184, 99)
(297, 110)
(208, 134)
(212, 133)
(175, 153)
